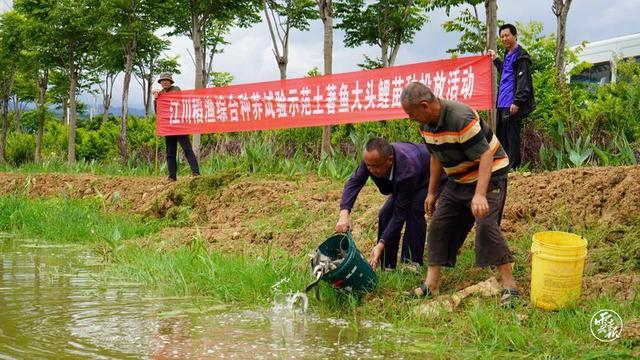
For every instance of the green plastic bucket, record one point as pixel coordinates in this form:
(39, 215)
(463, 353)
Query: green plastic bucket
(354, 273)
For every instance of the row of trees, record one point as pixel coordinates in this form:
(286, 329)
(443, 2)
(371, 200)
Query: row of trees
(50, 51)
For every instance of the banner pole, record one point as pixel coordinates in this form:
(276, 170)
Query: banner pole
(157, 171)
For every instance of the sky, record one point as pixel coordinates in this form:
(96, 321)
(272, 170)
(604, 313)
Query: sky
(249, 57)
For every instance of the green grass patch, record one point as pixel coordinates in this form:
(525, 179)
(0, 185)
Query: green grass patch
(479, 328)
(196, 271)
(60, 220)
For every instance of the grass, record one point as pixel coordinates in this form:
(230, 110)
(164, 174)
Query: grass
(194, 270)
(478, 329)
(256, 156)
(69, 221)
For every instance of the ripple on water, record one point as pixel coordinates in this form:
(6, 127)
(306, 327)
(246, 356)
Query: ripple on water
(52, 307)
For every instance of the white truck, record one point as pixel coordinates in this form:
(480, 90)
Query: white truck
(603, 55)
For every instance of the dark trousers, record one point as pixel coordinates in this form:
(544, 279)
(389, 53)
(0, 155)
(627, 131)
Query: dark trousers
(508, 129)
(453, 220)
(414, 232)
(172, 150)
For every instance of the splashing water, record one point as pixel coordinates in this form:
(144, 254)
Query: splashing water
(286, 305)
(298, 300)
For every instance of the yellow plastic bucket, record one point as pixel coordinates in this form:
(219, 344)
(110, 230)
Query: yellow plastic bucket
(556, 268)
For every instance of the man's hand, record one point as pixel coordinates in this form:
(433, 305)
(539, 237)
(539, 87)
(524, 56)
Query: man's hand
(513, 109)
(344, 224)
(155, 93)
(479, 205)
(376, 254)
(492, 53)
(430, 204)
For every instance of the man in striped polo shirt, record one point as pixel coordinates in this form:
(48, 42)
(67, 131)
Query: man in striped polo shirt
(477, 166)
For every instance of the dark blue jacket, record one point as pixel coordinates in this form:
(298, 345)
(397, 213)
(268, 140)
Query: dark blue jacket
(410, 173)
(522, 82)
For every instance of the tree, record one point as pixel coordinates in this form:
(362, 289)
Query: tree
(109, 64)
(560, 9)
(385, 23)
(371, 63)
(220, 78)
(149, 62)
(42, 80)
(11, 45)
(325, 9)
(38, 64)
(73, 32)
(491, 9)
(24, 92)
(205, 23)
(474, 33)
(127, 20)
(282, 16)
(59, 92)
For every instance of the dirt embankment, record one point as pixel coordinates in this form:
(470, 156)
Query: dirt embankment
(231, 209)
(585, 197)
(241, 213)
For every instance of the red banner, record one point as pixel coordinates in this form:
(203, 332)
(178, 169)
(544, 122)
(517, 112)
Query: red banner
(324, 100)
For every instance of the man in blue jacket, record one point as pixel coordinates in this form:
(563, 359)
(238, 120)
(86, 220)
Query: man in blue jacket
(515, 95)
(401, 171)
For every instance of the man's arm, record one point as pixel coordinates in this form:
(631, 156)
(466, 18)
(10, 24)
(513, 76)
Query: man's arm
(524, 86)
(349, 194)
(479, 204)
(497, 62)
(435, 173)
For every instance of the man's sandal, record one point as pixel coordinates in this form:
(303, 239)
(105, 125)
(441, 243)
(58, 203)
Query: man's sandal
(509, 298)
(420, 292)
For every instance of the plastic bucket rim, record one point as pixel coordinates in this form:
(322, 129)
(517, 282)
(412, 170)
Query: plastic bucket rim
(350, 254)
(559, 247)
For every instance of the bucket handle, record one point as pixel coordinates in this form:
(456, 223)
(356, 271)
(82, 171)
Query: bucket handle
(347, 234)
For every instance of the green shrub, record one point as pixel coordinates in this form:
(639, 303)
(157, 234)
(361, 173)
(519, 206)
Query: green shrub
(55, 139)
(29, 120)
(614, 109)
(20, 148)
(97, 145)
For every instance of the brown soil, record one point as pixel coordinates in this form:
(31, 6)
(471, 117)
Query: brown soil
(236, 213)
(586, 196)
(232, 208)
(621, 286)
(134, 193)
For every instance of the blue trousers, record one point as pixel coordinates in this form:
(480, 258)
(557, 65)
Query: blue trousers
(415, 231)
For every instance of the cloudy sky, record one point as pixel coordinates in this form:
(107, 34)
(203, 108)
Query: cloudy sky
(249, 58)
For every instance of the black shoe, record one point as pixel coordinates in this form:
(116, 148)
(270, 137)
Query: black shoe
(171, 179)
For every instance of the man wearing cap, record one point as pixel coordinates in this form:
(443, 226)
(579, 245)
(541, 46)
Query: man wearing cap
(166, 81)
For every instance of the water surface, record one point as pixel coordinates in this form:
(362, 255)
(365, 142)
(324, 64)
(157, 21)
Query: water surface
(54, 305)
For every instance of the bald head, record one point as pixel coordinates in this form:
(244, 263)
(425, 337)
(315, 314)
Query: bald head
(416, 92)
